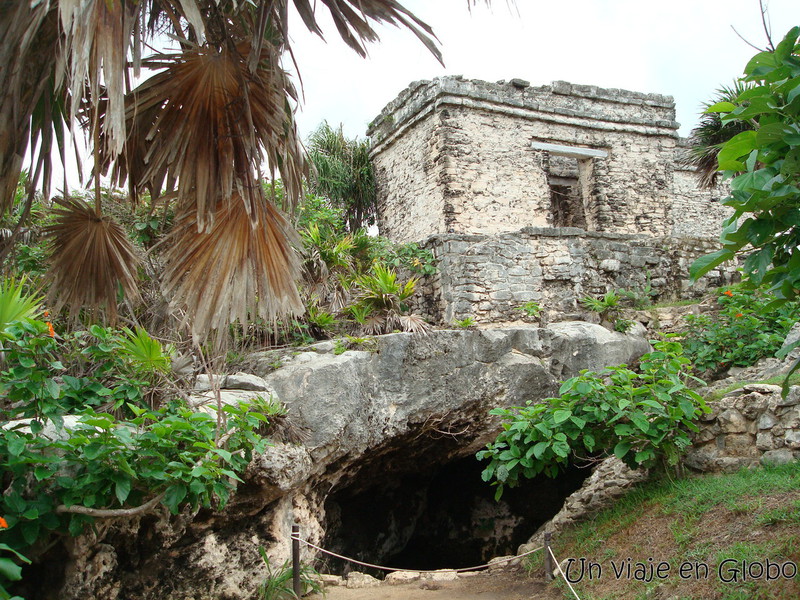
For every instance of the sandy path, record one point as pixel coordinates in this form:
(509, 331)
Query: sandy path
(484, 586)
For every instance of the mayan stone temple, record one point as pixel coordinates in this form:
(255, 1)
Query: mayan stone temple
(542, 194)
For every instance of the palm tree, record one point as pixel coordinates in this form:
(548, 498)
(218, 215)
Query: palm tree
(218, 106)
(343, 173)
(711, 134)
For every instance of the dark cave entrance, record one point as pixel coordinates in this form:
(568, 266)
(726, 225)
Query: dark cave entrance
(444, 517)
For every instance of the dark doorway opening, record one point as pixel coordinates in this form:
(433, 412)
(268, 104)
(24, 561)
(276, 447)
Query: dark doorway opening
(566, 193)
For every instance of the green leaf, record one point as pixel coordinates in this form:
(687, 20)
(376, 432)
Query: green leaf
(621, 449)
(10, 570)
(578, 421)
(785, 49)
(42, 472)
(707, 262)
(26, 362)
(721, 107)
(772, 133)
(52, 388)
(15, 444)
(560, 416)
(174, 496)
(122, 487)
(539, 448)
(561, 448)
(641, 422)
(738, 146)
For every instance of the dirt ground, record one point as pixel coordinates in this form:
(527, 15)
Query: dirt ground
(483, 586)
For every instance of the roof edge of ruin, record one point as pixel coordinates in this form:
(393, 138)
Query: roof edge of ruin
(419, 96)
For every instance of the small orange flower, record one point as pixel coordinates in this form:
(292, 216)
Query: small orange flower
(51, 330)
(728, 293)
(3, 523)
(739, 315)
(47, 313)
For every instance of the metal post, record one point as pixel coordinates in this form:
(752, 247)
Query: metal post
(296, 585)
(548, 558)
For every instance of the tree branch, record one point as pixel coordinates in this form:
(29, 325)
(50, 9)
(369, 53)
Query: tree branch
(110, 513)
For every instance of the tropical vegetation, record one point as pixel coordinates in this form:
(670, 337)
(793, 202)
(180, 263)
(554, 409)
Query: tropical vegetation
(343, 173)
(186, 102)
(643, 417)
(763, 166)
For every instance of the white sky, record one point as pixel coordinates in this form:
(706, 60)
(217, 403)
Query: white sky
(682, 48)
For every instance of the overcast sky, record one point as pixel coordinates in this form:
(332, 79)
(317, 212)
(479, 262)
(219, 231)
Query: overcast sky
(682, 48)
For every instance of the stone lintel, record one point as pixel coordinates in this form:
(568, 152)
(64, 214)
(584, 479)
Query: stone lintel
(570, 151)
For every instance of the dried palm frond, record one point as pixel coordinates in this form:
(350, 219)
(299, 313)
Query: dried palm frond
(414, 324)
(29, 38)
(96, 38)
(91, 260)
(238, 270)
(209, 122)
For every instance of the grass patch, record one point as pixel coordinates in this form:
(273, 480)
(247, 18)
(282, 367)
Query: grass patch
(775, 380)
(752, 515)
(673, 304)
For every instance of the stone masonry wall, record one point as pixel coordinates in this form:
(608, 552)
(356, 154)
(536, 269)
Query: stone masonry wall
(488, 277)
(415, 159)
(471, 143)
(749, 426)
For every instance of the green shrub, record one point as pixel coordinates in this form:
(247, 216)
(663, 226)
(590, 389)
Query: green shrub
(531, 309)
(641, 417)
(58, 479)
(279, 582)
(746, 329)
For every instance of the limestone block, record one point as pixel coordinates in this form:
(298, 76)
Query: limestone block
(792, 438)
(791, 418)
(767, 421)
(442, 575)
(765, 441)
(777, 457)
(356, 580)
(398, 577)
(246, 381)
(203, 382)
(792, 398)
(732, 421)
(331, 580)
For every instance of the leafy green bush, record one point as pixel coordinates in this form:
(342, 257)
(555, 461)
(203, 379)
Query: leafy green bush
(642, 417)
(68, 462)
(747, 328)
(531, 309)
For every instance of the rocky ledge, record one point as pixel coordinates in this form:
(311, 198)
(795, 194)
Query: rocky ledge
(365, 418)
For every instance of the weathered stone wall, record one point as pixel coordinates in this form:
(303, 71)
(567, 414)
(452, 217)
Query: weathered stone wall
(414, 157)
(749, 426)
(472, 140)
(694, 212)
(488, 277)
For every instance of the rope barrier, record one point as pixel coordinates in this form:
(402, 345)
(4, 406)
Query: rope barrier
(393, 569)
(558, 566)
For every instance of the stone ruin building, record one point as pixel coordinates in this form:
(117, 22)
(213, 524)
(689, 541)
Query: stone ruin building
(543, 194)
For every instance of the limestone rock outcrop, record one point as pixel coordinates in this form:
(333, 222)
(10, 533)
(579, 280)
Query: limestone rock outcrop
(364, 416)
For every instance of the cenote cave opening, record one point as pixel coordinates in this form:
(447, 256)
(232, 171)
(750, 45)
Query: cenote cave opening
(444, 516)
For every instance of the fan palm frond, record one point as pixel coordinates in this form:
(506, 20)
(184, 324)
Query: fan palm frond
(239, 269)
(209, 122)
(92, 259)
(709, 136)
